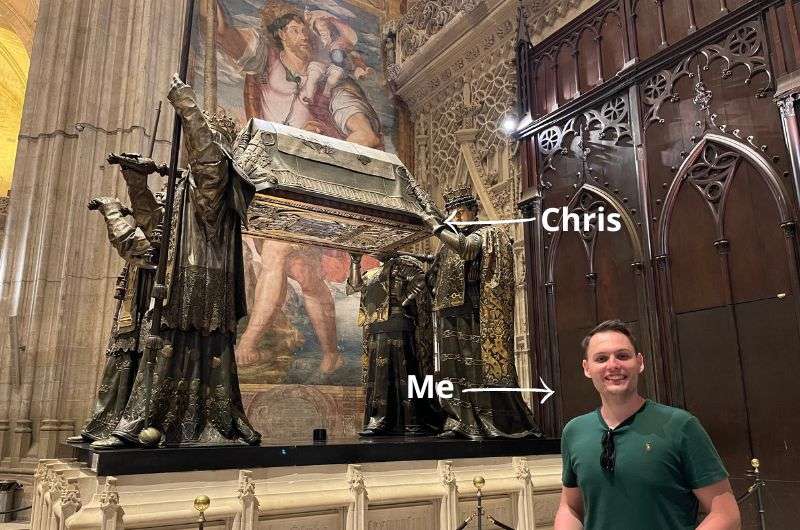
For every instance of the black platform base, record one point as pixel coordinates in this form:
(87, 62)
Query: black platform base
(203, 458)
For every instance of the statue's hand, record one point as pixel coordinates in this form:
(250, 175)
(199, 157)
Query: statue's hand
(104, 204)
(431, 221)
(137, 163)
(416, 286)
(175, 82)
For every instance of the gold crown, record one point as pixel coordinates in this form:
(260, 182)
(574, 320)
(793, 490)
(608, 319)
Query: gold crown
(223, 124)
(456, 196)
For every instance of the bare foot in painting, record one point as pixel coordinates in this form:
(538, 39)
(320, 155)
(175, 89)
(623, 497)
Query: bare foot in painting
(247, 356)
(331, 364)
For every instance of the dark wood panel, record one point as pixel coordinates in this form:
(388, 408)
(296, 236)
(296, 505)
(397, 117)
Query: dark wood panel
(676, 19)
(574, 297)
(648, 28)
(712, 380)
(612, 47)
(567, 71)
(616, 286)
(770, 346)
(697, 279)
(588, 52)
(759, 264)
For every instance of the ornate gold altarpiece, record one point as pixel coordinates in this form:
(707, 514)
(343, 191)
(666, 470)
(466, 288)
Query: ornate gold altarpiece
(324, 191)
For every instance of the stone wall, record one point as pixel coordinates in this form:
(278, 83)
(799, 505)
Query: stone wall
(97, 72)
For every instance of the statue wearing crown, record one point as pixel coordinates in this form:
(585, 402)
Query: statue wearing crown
(189, 392)
(472, 280)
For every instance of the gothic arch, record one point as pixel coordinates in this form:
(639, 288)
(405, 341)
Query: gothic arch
(627, 222)
(712, 173)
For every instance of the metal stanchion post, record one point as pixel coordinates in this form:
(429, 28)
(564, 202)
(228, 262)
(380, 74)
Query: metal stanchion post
(201, 504)
(479, 482)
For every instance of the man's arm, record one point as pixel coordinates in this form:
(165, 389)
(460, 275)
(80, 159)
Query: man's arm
(359, 131)
(718, 501)
(570, 510)
(147, 211)
(128, 240)
(230, 39)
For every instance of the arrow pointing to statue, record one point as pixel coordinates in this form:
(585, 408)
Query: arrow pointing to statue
(453, 224)
(547, 391)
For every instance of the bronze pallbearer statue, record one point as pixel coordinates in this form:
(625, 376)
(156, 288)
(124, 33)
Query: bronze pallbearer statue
(190, 392)
(397, 343)
(473, 294)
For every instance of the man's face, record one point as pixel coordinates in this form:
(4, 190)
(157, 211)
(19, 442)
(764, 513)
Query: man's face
(465, 213)
(613, 364)
(294, 37)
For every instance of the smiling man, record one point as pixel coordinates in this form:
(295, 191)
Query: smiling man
(634, 464)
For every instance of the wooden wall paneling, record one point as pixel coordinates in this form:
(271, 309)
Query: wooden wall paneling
(575, 314)
(567, 72)
(709, 361)
(546, 86)
(629, 10)
(648, 27)
(677, 18)
(612, 46)
(692, 18)
(762, 270)
(769, 346)
(776, 43)
(706, 12)
(644, 270)
(585, 278)
(589, 59)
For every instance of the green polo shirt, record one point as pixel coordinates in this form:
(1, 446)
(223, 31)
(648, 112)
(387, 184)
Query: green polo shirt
(662, 454)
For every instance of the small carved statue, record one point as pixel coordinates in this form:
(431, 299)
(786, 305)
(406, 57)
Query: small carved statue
(397, 343)
(472, 280)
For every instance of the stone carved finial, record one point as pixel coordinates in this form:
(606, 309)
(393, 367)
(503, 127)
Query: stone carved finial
(355, 479)
(446, 473)
(70, 496)
(247, 487)
(521, 469)
(40, 471)
(109, 496)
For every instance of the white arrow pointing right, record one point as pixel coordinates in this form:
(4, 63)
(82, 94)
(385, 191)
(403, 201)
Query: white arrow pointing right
(547, 391)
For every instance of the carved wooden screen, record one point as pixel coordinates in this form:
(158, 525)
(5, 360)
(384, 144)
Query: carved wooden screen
(673, 123)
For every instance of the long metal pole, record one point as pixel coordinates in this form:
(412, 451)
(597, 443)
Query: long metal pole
(154, 341)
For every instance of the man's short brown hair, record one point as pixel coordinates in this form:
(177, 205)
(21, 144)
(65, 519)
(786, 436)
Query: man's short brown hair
(610, 325)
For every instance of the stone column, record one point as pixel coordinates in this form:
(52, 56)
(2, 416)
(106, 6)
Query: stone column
(97, 71)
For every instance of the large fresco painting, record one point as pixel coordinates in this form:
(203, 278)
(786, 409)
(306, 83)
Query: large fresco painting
(315, 65)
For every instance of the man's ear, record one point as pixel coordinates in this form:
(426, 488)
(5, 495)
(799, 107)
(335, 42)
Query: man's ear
(585, 365)
(641, 362)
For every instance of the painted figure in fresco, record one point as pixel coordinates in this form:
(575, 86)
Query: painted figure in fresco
(473, 293)
(195, 389)
(289, 80)
(339, 40)
(131, 322)
(395, 313)
(281, 61)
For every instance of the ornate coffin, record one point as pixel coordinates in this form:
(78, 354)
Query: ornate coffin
(323, 191)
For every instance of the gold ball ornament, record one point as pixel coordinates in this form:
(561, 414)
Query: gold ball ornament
(478, 482)
(756, 463)
(150, 437)
(201, 503)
